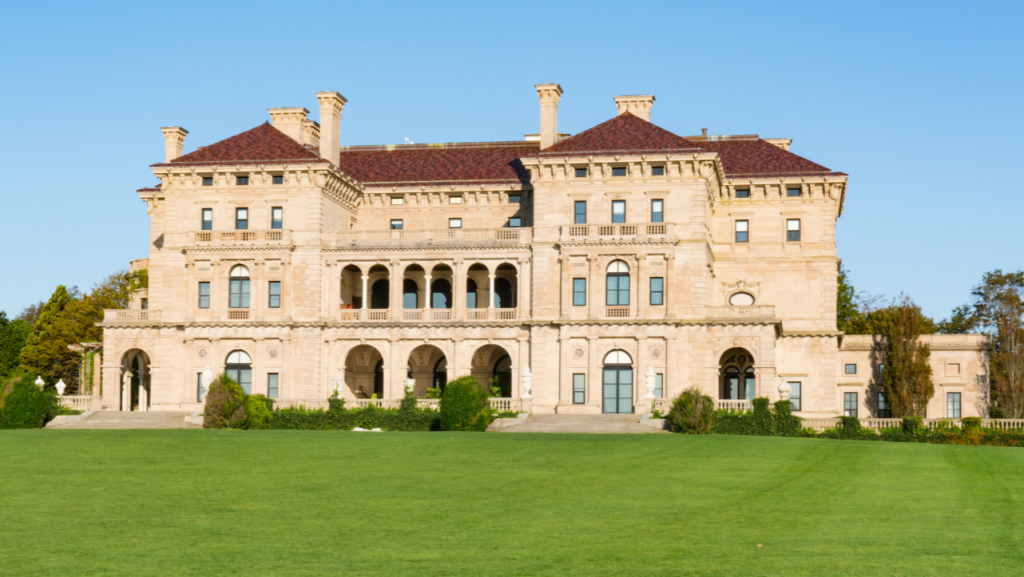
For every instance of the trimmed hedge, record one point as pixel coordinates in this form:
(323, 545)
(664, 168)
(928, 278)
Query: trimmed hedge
(464, 406)
(409, 417)
(765, 420)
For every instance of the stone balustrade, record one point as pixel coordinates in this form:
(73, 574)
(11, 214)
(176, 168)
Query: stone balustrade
(240, 237)
(130, 316)
(79, 402)
(612, 232)
(500, 404)
(413, 237)
(426, 315)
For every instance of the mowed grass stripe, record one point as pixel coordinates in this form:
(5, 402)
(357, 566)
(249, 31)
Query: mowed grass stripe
(190, 502)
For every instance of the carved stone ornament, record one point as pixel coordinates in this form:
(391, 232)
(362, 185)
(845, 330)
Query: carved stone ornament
(272, 352)
(578, 353)
(657, 352)
(741, 285)
(202, 353)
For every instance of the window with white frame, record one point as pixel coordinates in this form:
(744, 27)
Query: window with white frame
(849, 404)
(742, 230)
(793, 230)
(579, 388)
(657, 210)
(454, 223)
(952, 405)
(796, 395)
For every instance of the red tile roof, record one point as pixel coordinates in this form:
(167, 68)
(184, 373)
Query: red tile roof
(626, 133)
(437, 164)
(757, 158)
(263, 143)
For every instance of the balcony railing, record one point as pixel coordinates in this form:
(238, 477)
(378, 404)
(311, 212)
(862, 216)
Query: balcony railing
(130, 316)
(79, 402)
(756, 312)
(618, 312)
(427, 315)
(609, 232)
(236, 237)
(442, 236)
(500, 404)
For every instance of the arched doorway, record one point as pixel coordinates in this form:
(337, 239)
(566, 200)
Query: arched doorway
(135, 381)
(738, 378)
(364, 373)
(428, 368)
(239, 368)
(491, 365)
(617, 382)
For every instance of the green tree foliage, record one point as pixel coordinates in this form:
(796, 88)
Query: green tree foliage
(877, 322)
(692, 412)
(856, 313)
(846, 304)
(464, 406)
(13, 335)
(23, 405)
(46, 349)
(907, 377)
(258, 411)
(225, 404)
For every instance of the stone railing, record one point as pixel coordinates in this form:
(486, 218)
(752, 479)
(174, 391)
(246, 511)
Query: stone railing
(427, 315)
(311, 404)
(500, 404)
(408, 236)
(756, 312)
(819, 424)
(734, 405)
(129, 316)
(236, 237)
(79, 402)
(607, 232)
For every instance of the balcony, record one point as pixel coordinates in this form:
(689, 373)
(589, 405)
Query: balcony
(130, 316)
(616, 232)
(240, 238)
(429, 237)
(751, 313)
(426, 315)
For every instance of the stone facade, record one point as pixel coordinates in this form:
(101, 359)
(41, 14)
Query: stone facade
(594, 260)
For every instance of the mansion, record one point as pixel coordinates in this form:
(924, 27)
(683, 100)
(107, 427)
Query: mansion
(589, 273)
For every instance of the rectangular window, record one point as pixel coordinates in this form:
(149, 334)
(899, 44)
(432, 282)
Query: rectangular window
(658, 210)
(396, 224)
(581, 173)
(851, 369)
(742, 230)
(239, 293)
(276, 218)
(144, 303)
(742, 193)
(273, 385)
(952, 405)
(579, 292)
(657, 291)
(849, 404)
(515, 198)
(881, 369)
(795, 191)
(515, 222)
(454, 223)
(395, 200)
(242, 180)
(241, 219)
(793, 230)
(795, 395)
(659, 386)
(579, 212)
(579, 388)
(617, 290)
(204, 295)
(454, 200)
(277, 179)
(200, 389)
(618, 211)
(207, 219)
(884, 410)
(275, 294)
(207, 181)
(618, 171)
(657, 171)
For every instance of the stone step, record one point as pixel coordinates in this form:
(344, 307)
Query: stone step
(124, 420)
(582, 424)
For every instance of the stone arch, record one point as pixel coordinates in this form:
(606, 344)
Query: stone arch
(483, 366)
(422, 367)
(135, 380)
(361, 372)
(737, 375)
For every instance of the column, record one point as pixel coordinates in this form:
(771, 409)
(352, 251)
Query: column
(366, 293)
(641, 362)
(592, 281)
(524, 361)
(126, 391)
(217, 301)
(565, 288)
(458, 287)
(594, 363)
(395, 301)
(427, 295)
(634, 287)
(254, 291)
(670, 342)
(286, 294)
(641, 279)
(670, 294)
(394, 383)
(192, 298)
(286, 390)
(525, 282)
(490, 296)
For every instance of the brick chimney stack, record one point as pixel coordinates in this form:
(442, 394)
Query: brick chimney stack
(331, 105)
(174, 141)
(549, 95)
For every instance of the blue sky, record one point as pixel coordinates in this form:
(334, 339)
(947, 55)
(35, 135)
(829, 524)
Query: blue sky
(921, 103)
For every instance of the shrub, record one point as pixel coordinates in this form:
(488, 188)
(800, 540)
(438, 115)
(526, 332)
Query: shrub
(786, 425)
(464, 406)
(258, 411)
(692, 412)
(335, 403)
(913, 424)
(225, 404)
(971, 423)
(24, 406)
(764, 421)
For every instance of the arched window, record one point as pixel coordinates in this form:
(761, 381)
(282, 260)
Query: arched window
(239, 288)
(739, 380)
(380, 294)
(441, 294)
(503, 375)
(410, 294)
(470, 293)
(378, 379)
(617, 382)
(503, 294)
(617, 288)
(239, 368)
(741, 299)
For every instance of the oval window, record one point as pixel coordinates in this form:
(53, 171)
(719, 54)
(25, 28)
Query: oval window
(741, 300)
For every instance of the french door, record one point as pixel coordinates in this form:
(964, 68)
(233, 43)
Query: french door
(618, 389)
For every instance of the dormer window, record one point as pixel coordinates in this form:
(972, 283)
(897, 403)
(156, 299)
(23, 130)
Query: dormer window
(618, 171)
(242, 180)
(278, 179)
(657, 171)
(581, 173)
(207, 181)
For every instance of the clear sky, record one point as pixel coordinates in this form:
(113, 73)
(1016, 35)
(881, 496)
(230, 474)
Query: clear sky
(920, 103)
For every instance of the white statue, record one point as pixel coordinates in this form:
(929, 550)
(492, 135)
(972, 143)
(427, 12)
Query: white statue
(649, 378)
(526, 379)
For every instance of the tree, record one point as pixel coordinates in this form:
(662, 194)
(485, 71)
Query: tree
(13, 335)
(907, 377)
(46, 350)
(846, 306)
(860, 314)
(31, 313)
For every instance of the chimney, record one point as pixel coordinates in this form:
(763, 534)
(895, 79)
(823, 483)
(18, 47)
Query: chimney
(549, 95)
(289, 121)
(639, 105)
(174, 141)
(703, 131)
(331, 104)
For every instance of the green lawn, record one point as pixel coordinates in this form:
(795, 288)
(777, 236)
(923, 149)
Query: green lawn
(208, 503)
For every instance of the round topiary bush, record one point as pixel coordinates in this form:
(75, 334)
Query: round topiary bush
(464, 406)
(692, 412)
(225, 404)
(258, 411)
(23, 405)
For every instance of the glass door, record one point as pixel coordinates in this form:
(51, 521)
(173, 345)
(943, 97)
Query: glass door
(618, 389)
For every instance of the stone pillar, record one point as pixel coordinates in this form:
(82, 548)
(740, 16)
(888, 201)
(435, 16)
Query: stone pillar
(524, 359)
(594, 363)
(366, 294)
(490, 295)
(191, 291)
(641, 287)
(666, 379)
(427, 294)
(565, 286)
(217, 300)
(592, 280)
(395, 302)
(458, 290)
(525, 278)
(670, 300)
(394, 384)
(286, 292)
(254, 291)
(126, 391)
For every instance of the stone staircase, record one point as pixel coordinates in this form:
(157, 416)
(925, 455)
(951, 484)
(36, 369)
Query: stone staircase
(124, 420)
(585, 424)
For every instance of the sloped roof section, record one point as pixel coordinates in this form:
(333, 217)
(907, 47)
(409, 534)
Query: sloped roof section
(261, 144)
(627, 134)
(437, 164)
(757, 158)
